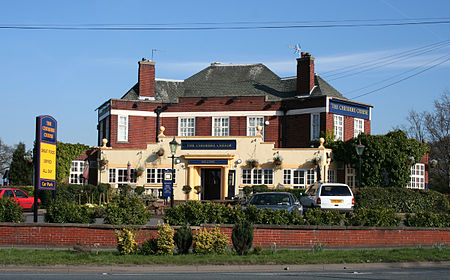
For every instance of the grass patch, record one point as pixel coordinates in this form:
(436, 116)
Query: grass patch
(56, 257)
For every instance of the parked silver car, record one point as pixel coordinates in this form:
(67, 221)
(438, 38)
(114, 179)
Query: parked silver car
(276, 201)
(329, 196)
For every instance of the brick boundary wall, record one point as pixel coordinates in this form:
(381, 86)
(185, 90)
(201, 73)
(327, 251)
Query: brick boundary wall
(63, 235)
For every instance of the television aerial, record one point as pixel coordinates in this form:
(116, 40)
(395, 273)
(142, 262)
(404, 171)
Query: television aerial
(297, 49)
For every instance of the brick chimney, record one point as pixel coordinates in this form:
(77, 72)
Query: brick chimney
(146, 80)
(305, 74)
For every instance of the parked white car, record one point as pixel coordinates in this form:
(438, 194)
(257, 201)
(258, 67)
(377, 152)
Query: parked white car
(329, 196)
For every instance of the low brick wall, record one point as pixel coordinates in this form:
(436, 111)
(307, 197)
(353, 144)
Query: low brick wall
(60, 235)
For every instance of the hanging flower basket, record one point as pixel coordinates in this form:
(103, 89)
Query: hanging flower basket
(278, 160)
(253, 163)
(139, 172)
(160, 152)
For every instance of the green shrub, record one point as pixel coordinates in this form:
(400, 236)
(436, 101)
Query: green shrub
(126, 210)
(10, 211)
(183, 239)
(62, 211)
(242, 237)
(139, 190)
(197, 213)
(427, 219)
(373, 218)
(165, 241)
(210, 241)
(126, 243)
(149, 247)
(320, 217)
(402, 200)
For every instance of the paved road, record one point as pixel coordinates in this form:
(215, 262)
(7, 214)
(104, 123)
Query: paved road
(367, 274)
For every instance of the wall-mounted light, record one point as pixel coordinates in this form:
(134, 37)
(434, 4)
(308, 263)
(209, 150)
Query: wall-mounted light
(239, 161)
(266, 122)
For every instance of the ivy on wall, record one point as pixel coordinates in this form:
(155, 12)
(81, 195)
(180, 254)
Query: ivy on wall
(65, 154)
(387, 159)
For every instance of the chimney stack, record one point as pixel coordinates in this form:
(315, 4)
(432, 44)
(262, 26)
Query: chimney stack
(305, 74)
(146, 80)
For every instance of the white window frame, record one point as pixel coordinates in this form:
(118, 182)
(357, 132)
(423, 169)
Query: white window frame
(358, 127)
(257, 176)
(331, 176)
(299, 177)
(122, 129)
(350, 176)
(184, 126)
(315, 126)
(158, 175)
(252, 128)
(76, 172)
(338, 127)
(119, 176)
(417, 178)
(220, 126)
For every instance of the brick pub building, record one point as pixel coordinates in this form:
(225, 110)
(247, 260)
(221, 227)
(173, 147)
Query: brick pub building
(237, 125)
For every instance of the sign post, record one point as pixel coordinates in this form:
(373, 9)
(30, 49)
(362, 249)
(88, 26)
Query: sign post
(167, 183)
(45, 160)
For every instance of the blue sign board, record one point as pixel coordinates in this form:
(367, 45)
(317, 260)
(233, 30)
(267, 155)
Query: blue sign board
(208, 145)
(208, 161)
(167, 183)
(349, 109)
(46, 153)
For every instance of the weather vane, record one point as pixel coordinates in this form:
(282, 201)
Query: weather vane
(296, 48)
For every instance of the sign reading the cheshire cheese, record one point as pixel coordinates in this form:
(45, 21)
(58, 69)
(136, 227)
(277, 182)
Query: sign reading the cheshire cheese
(46, 144)
(208, 145)
(349, 109)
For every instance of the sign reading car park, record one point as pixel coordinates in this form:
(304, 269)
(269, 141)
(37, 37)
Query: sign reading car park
(46, 156)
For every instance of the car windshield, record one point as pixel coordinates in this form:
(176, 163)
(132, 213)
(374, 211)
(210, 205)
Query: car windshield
(270, 199)
(335, 191)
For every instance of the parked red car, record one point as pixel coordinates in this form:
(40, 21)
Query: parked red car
(19, 196)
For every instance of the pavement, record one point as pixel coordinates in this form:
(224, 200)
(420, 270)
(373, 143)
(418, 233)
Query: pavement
(217, 268)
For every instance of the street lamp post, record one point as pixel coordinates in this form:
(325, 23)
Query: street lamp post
(359, 151)
(173, 148)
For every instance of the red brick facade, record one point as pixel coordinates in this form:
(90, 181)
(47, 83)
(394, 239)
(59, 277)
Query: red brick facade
(55, 235)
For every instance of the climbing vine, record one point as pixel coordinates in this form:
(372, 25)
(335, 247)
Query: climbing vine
(387, 159)
(65, 154)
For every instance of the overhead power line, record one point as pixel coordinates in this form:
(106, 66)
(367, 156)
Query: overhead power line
(224, 26)
(403, 79)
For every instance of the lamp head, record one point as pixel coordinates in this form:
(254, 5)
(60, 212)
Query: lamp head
(360, 149)
(173, 145)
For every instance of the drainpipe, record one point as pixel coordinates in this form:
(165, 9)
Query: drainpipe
(158, 111)
(283, 127)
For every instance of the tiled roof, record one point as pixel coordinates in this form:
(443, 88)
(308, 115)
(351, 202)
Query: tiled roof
(232, 80)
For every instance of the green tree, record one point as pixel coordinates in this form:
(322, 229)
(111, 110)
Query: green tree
(386, 160)
(21, 170)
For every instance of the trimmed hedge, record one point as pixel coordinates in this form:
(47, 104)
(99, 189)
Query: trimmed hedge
(427, 219)
(402, 200)
(62, 211)
(372, 218)
(126, 210)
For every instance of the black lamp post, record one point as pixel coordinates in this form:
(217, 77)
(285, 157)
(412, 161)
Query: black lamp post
(359, 151)
(173, 148)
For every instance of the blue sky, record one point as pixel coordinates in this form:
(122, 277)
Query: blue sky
(69, 73)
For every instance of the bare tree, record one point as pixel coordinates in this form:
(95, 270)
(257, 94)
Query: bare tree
(437, 125)
(434, 127)
(5, 156)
